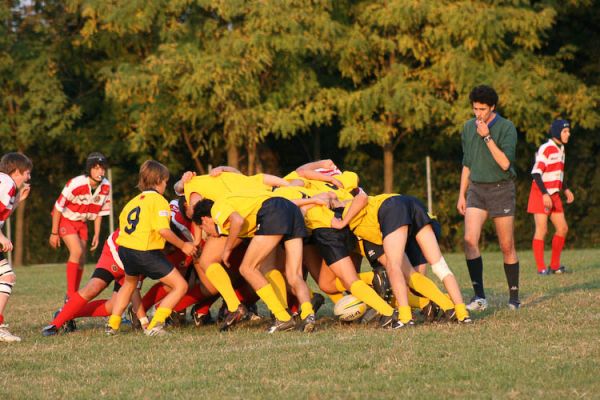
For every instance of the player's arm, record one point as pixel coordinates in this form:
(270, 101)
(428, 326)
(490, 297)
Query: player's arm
(185, 178)
(22, 195)
(358, 203)
(236, 221)
(5, 243)
(54, 239)
(501, 152)
(96, 237)
(274, 181)
(187, 248)
(461, 205)
(223, 168)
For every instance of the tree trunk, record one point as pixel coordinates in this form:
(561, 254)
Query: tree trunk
(233, 156)
(317, 146)
(251, 158)
(388, 168)
(19, 228)
(192, 150)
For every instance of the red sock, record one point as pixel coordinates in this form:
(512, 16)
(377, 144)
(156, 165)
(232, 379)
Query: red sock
(72, 283)
(192, 296)
(69, 310)
(246, 294)
(154, 295)
(1, 319)
(96, 308)
(538, 254)
(293, 303)
(558, 242)
(79, 275)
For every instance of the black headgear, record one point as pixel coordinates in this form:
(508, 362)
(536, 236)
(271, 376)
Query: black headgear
(94, 159)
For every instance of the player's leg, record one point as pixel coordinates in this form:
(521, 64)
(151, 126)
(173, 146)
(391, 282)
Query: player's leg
(538, 243)
(430, 248)
(558, 240)
(76, 249)
(7, 281)
(474, 220)
(259, 248)
(320, 273)
(393, 245)
(121, 302)
(209, 264)
(505, 232)
(178, 287)
(295, 278)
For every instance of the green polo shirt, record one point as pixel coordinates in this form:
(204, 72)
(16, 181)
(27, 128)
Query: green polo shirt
(478, 158)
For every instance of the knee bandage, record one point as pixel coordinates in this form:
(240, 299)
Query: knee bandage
(441, 269)
(7, 278)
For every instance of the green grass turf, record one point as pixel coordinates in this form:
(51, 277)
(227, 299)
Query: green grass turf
(549, 349)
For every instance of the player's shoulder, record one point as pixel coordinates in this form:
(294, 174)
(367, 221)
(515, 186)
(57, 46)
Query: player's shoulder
(7, 185)
(77, 181)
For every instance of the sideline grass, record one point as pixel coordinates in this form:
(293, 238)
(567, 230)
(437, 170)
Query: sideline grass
(549, 349)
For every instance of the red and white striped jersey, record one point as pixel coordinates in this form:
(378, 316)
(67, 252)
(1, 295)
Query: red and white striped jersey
(113, 247)
(8, 193)
(184, 225)
(550, 163)
(77, 202)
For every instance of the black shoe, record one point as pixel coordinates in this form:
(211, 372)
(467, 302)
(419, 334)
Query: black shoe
(561, 270)
(282, 326)
(135, 322)
(317, 301)
(381, 283)
(430, 312)
(176, 319)
(201, 319)
(223, 312)
(50, 330)
(391, 322)
(369, 316)
(308, 324)
(514, 305)
(253, 314)
(234, 317)
(70, 326)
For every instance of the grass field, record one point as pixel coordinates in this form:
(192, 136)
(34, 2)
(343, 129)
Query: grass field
(549, 349)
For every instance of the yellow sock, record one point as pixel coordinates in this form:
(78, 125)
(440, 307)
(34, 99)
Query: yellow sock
(335, 297)
(417, 301)
(114, 322)
(461, 311)
(306, 309)
(268, 295)
(404, 314)
(339, 285)
(160, 316)
(366, 293)
(276, 280)
(367, 277)
(427, 288)
(220, 280)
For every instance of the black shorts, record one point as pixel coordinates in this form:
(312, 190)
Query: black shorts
(150, 263)
(334, 244)
(398, 211)
(498, 198)
(413, 251)
(279, 216)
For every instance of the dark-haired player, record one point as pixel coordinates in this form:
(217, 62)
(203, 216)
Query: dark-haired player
(84, 198)
(487, 189)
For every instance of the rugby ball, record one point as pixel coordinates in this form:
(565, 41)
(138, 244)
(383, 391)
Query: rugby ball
(349, 308)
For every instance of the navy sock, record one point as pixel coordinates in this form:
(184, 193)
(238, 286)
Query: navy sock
(476, 273)
(512, 278)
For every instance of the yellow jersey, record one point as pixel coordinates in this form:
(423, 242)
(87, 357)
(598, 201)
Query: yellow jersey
(215, 187)
(142, 219)
(315, 186)
(365, 224)
(317, 216)
(246, 204)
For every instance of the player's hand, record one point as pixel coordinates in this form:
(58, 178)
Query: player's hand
(95, 242)
(482, 129)
(5, 243)
(337, 223)
(547, 200)
(335, 182)
(187, 176)
(216, 171)
(328, 164)
(225, 257)
(461, 205)
(54, 241)
(570, 196)
(189, 249)
(24, 192)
